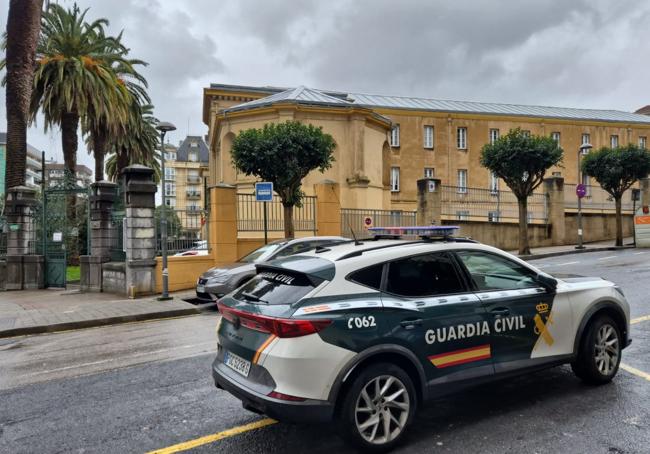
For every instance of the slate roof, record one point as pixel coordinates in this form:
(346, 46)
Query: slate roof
(313, 96)
(185, 148)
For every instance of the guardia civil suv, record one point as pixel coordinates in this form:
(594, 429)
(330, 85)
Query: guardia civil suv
(365, 332)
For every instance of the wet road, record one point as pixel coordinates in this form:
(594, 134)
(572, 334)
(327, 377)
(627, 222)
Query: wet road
(145, 386)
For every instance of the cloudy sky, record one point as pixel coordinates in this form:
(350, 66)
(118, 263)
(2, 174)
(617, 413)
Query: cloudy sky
(576, 53)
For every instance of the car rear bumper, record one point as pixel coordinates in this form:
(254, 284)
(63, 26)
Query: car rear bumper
(295, 412)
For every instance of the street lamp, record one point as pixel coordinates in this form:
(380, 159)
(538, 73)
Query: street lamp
(164, 127)
(580, 192)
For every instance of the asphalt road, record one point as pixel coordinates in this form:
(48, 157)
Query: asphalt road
(145, 386)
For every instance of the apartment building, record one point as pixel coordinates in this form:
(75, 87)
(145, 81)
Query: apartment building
(32, 169)
(55, 172)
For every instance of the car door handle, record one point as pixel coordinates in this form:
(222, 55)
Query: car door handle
(500, 311)
(410, 324)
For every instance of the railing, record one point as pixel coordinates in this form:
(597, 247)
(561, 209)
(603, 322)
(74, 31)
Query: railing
(4, 230)
(116, 238)
(187, 231)
(354, 220)
(250, 214)
(476, 204)
(193, 194)
(596, 199)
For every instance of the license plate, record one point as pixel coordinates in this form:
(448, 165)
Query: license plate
(200, 288)
(237, 363)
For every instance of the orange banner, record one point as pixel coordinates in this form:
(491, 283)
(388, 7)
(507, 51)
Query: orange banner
(642, 220)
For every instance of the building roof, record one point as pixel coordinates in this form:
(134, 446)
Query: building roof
(184, 149)
(429, 104)
(299, 95)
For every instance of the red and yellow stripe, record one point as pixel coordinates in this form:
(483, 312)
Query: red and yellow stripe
(466, 355)
(259, 351)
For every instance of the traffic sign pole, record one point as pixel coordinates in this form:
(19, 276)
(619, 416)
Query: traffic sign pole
(266, 229)
(581, 191)
(264, 194)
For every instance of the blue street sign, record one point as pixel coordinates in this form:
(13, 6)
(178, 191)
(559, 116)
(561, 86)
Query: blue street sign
(264, 192)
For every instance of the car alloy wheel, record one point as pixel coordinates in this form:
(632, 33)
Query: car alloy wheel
(382, 409)
(607, 349)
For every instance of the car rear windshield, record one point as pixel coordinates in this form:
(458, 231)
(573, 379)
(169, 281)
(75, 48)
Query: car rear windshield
(263, 253)
(275, 287)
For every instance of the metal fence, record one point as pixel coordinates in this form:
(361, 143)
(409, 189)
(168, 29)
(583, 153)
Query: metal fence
(476, 204)
(250, 214)
(353, 219)
(187, 231)
(4, 230)
(596, 199)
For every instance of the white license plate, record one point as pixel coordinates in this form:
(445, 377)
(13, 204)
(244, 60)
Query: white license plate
(200, 288)
(237, 363)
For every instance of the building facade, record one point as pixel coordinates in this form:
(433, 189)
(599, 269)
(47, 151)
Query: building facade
(55, 172)
(33, 172)
(386, 143)
(186, 167)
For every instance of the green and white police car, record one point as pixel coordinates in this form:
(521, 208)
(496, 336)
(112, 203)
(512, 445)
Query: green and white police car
(365, 332)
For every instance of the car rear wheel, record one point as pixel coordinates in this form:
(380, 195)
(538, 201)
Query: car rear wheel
(378, 407)
(600, 352)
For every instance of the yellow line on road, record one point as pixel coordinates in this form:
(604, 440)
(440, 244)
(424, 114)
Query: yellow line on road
(214, 437)
(634, 371)
(645, 318)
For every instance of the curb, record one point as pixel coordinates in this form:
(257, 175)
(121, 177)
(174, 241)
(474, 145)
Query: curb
(573, 251)
(42, 329)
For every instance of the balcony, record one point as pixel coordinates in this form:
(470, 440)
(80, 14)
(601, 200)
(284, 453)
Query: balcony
(193, 179)
(193, 195)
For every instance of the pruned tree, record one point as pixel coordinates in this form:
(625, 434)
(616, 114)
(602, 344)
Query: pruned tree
(521, 161)
(616, 170)
(284, 153)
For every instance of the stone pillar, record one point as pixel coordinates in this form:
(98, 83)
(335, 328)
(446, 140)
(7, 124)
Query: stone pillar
(429, 202)
(644, 184)
(21, 240)
(554, 191)
(102, 235)
(223, 223)
(328, 208)
(140, 231)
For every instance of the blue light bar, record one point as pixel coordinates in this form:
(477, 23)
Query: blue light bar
(425, 231)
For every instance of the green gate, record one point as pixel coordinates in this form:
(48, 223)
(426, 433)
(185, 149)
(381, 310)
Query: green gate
(65, 232)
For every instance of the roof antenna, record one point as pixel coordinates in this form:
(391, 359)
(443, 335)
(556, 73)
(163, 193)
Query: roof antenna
(347, 221)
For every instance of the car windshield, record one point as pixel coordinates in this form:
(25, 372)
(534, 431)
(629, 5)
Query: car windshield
(263, 253)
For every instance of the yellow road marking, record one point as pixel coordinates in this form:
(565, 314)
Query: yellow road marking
(214, 437)
(645, 318)
(634, 371)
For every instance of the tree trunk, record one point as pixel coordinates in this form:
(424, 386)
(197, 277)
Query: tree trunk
(99, 151)
(619, 222)
(23, 26)
(288, 221)
(524, 248)
(69, 142)
(122, 162)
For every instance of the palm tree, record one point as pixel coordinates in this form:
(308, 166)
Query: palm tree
(23, 25)
(73, 76)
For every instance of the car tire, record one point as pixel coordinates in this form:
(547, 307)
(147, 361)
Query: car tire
(381, 396)
(599, 353)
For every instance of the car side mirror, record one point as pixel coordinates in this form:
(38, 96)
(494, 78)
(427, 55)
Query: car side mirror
(546, 281)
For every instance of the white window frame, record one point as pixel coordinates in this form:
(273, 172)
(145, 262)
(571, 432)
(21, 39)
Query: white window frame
(170, 189)
(429, 172)
(643, 142)
(586, 138)
(461, 181)
(462, 215)
(493, 216)
(494, 135)
(170, 202)
(170, 174)
(461, 137)
(394, 136)
(427, 139)
(555, 135)
(613, 141)
(394, 179)
(494, 183)
(526, 132)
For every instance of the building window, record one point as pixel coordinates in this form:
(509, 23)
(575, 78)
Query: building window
(394, 179)
(494, 135)
(494, 182)
(394, 136)
(462, 181)
(192, 156)
(526, 133)
(428, 172)
(556, 137)
(642, 142)
(170, 156)
(171, 202)
(613, 141)
(586, 138)
(493, 216)
(170, 173)
(462, 215)
(557, 174)
(461, 138)
(170, 189)
(428, 136)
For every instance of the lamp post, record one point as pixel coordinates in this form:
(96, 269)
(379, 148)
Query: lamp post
(164, 127)
(580, 192)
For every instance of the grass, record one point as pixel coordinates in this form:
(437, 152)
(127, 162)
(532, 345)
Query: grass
(72, 274)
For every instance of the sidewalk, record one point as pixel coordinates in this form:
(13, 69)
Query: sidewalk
(45, 311)
(552, 251)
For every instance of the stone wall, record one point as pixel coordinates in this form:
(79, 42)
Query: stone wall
(114, 277)
(596, 226)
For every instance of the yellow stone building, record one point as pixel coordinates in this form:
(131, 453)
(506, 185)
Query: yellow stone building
(386, 143)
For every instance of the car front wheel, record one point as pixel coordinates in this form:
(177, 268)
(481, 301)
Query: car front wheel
(600, 352)
(378, 407)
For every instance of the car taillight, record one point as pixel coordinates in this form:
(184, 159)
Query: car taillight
(281, 327)
(281, 396)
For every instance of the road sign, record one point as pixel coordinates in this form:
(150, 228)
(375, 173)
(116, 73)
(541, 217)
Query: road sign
(264, 192)
(581, 190)
(367, 222)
